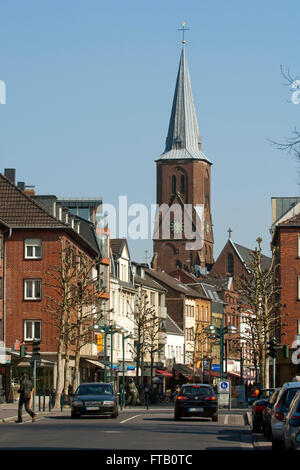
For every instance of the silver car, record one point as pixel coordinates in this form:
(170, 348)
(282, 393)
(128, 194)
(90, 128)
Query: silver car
(280, 409)
(291, 422)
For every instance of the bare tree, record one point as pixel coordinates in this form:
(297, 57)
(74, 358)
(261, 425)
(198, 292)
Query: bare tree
(154, 327)
(73, 310)
(262, 294)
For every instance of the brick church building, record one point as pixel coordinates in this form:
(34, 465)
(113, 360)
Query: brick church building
(183, 182)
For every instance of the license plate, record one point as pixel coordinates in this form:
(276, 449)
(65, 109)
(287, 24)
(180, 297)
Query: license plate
(196, 409)
(92, 408)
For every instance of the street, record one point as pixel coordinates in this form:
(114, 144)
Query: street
(133, 429)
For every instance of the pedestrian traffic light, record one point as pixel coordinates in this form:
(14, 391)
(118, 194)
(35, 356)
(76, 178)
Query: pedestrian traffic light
(285, 351)
(23, 349)
(272, 348)
(36, 349)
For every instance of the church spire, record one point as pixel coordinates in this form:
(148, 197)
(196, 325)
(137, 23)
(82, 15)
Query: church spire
(183, 139)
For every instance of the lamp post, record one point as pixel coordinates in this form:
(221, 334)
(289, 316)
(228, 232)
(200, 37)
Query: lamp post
(219, 332)
(132, 336)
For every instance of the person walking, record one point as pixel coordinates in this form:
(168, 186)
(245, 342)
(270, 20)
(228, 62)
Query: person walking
(147, 396)
(25, 391)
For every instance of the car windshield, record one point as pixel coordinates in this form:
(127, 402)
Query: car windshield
(196, 390)
(288, 396)
(266, 393)
(94, 389)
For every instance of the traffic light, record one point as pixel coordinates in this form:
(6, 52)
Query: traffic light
(23, 349)
(272, 348)
(36, 349)
(285, 351)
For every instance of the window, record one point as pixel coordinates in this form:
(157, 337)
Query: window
(299, 246)
(230, 263)
(152, 298)
(1, 246)
(182, 184)
(33, 248)
(298, 287)
(32, 330)
(298, 327)
(1, 288)
(32, 289)
(173, 184)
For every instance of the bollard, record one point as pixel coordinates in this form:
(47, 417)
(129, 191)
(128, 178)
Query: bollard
(44, 402)
(50, 398)
(39, 402)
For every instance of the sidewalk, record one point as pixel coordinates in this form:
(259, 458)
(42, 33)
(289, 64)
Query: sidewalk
(9, 412)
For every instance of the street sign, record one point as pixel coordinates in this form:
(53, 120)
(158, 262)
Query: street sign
(215, 367)
(100, 342)
(224, 393)
(36, 361)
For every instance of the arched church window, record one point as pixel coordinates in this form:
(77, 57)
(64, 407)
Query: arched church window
(230, 263)
(173, 184)
(182, 184)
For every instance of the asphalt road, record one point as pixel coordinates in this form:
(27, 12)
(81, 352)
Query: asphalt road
(136, 429)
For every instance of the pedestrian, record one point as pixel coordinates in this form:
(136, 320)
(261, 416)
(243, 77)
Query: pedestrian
(25, 392)
(147, 396)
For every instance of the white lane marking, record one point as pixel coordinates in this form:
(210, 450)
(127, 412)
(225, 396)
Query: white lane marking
(128, 419)
(115, 432)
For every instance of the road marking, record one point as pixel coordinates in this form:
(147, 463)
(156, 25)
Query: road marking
(128, 419)
(226, 419)
(112, 431)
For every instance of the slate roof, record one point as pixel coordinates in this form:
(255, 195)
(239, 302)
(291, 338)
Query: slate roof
(173, 283)
(183, 127)
(148, 282)
(245, 255)
(172, 327)
(292, 221)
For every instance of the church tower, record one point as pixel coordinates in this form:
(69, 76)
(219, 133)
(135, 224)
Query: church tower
(183, 178)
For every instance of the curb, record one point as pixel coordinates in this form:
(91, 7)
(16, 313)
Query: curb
(40, 413)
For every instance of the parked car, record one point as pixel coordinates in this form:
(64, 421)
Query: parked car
(267, 413)
(291, 422)
(196, 400)
(94, 398)
(281, 408)
(258, 408)
(296, 440)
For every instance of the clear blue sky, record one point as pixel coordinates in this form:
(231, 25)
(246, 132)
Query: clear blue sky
(89, 93)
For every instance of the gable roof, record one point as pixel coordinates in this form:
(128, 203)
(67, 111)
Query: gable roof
(173, 283)
(172, 327)
(244, 254)
(117, 245)
(19, 211)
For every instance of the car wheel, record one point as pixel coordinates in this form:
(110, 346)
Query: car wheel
(276, 445)
(255, 427)
(176, 417)
(215, 418)
(75, 415)
(115, 414)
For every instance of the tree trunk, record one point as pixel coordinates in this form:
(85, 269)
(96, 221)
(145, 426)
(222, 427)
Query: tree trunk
(59, 387)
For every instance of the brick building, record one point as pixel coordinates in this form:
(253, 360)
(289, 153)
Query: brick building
(31, 243)
(286, 238)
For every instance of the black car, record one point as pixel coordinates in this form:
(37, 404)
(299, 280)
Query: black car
(258, 408)
(94, 398)
(196, 400)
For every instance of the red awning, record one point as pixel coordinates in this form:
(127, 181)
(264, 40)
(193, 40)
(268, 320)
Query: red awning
(163, 372)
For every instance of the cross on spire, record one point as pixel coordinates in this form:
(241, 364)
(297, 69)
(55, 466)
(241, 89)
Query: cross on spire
(183, 29)
(229, 233)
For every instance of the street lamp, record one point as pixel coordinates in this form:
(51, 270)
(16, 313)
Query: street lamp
(131, 336)
(215, 332)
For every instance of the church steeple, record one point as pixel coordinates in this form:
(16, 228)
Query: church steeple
(183, 139)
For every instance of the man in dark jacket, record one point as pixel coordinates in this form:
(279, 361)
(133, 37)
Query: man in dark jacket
(25, 395)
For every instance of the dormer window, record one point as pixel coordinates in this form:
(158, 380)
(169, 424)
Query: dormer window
(178, 143)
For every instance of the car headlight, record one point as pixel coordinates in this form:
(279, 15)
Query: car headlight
(108, 403)
(77, 402)
(297, 437)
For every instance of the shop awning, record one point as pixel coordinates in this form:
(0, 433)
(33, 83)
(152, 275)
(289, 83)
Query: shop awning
(97, 363)
(184, 370)
(163, 372)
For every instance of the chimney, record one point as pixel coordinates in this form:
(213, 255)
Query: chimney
(10, 174)
(29, 190)
(21, 185)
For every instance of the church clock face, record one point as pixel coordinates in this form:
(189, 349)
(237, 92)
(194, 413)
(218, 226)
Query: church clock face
(177, 226)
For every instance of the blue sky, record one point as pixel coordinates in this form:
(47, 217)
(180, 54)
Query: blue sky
(90, 87)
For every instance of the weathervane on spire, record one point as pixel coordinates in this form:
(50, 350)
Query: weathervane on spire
(183, 29)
